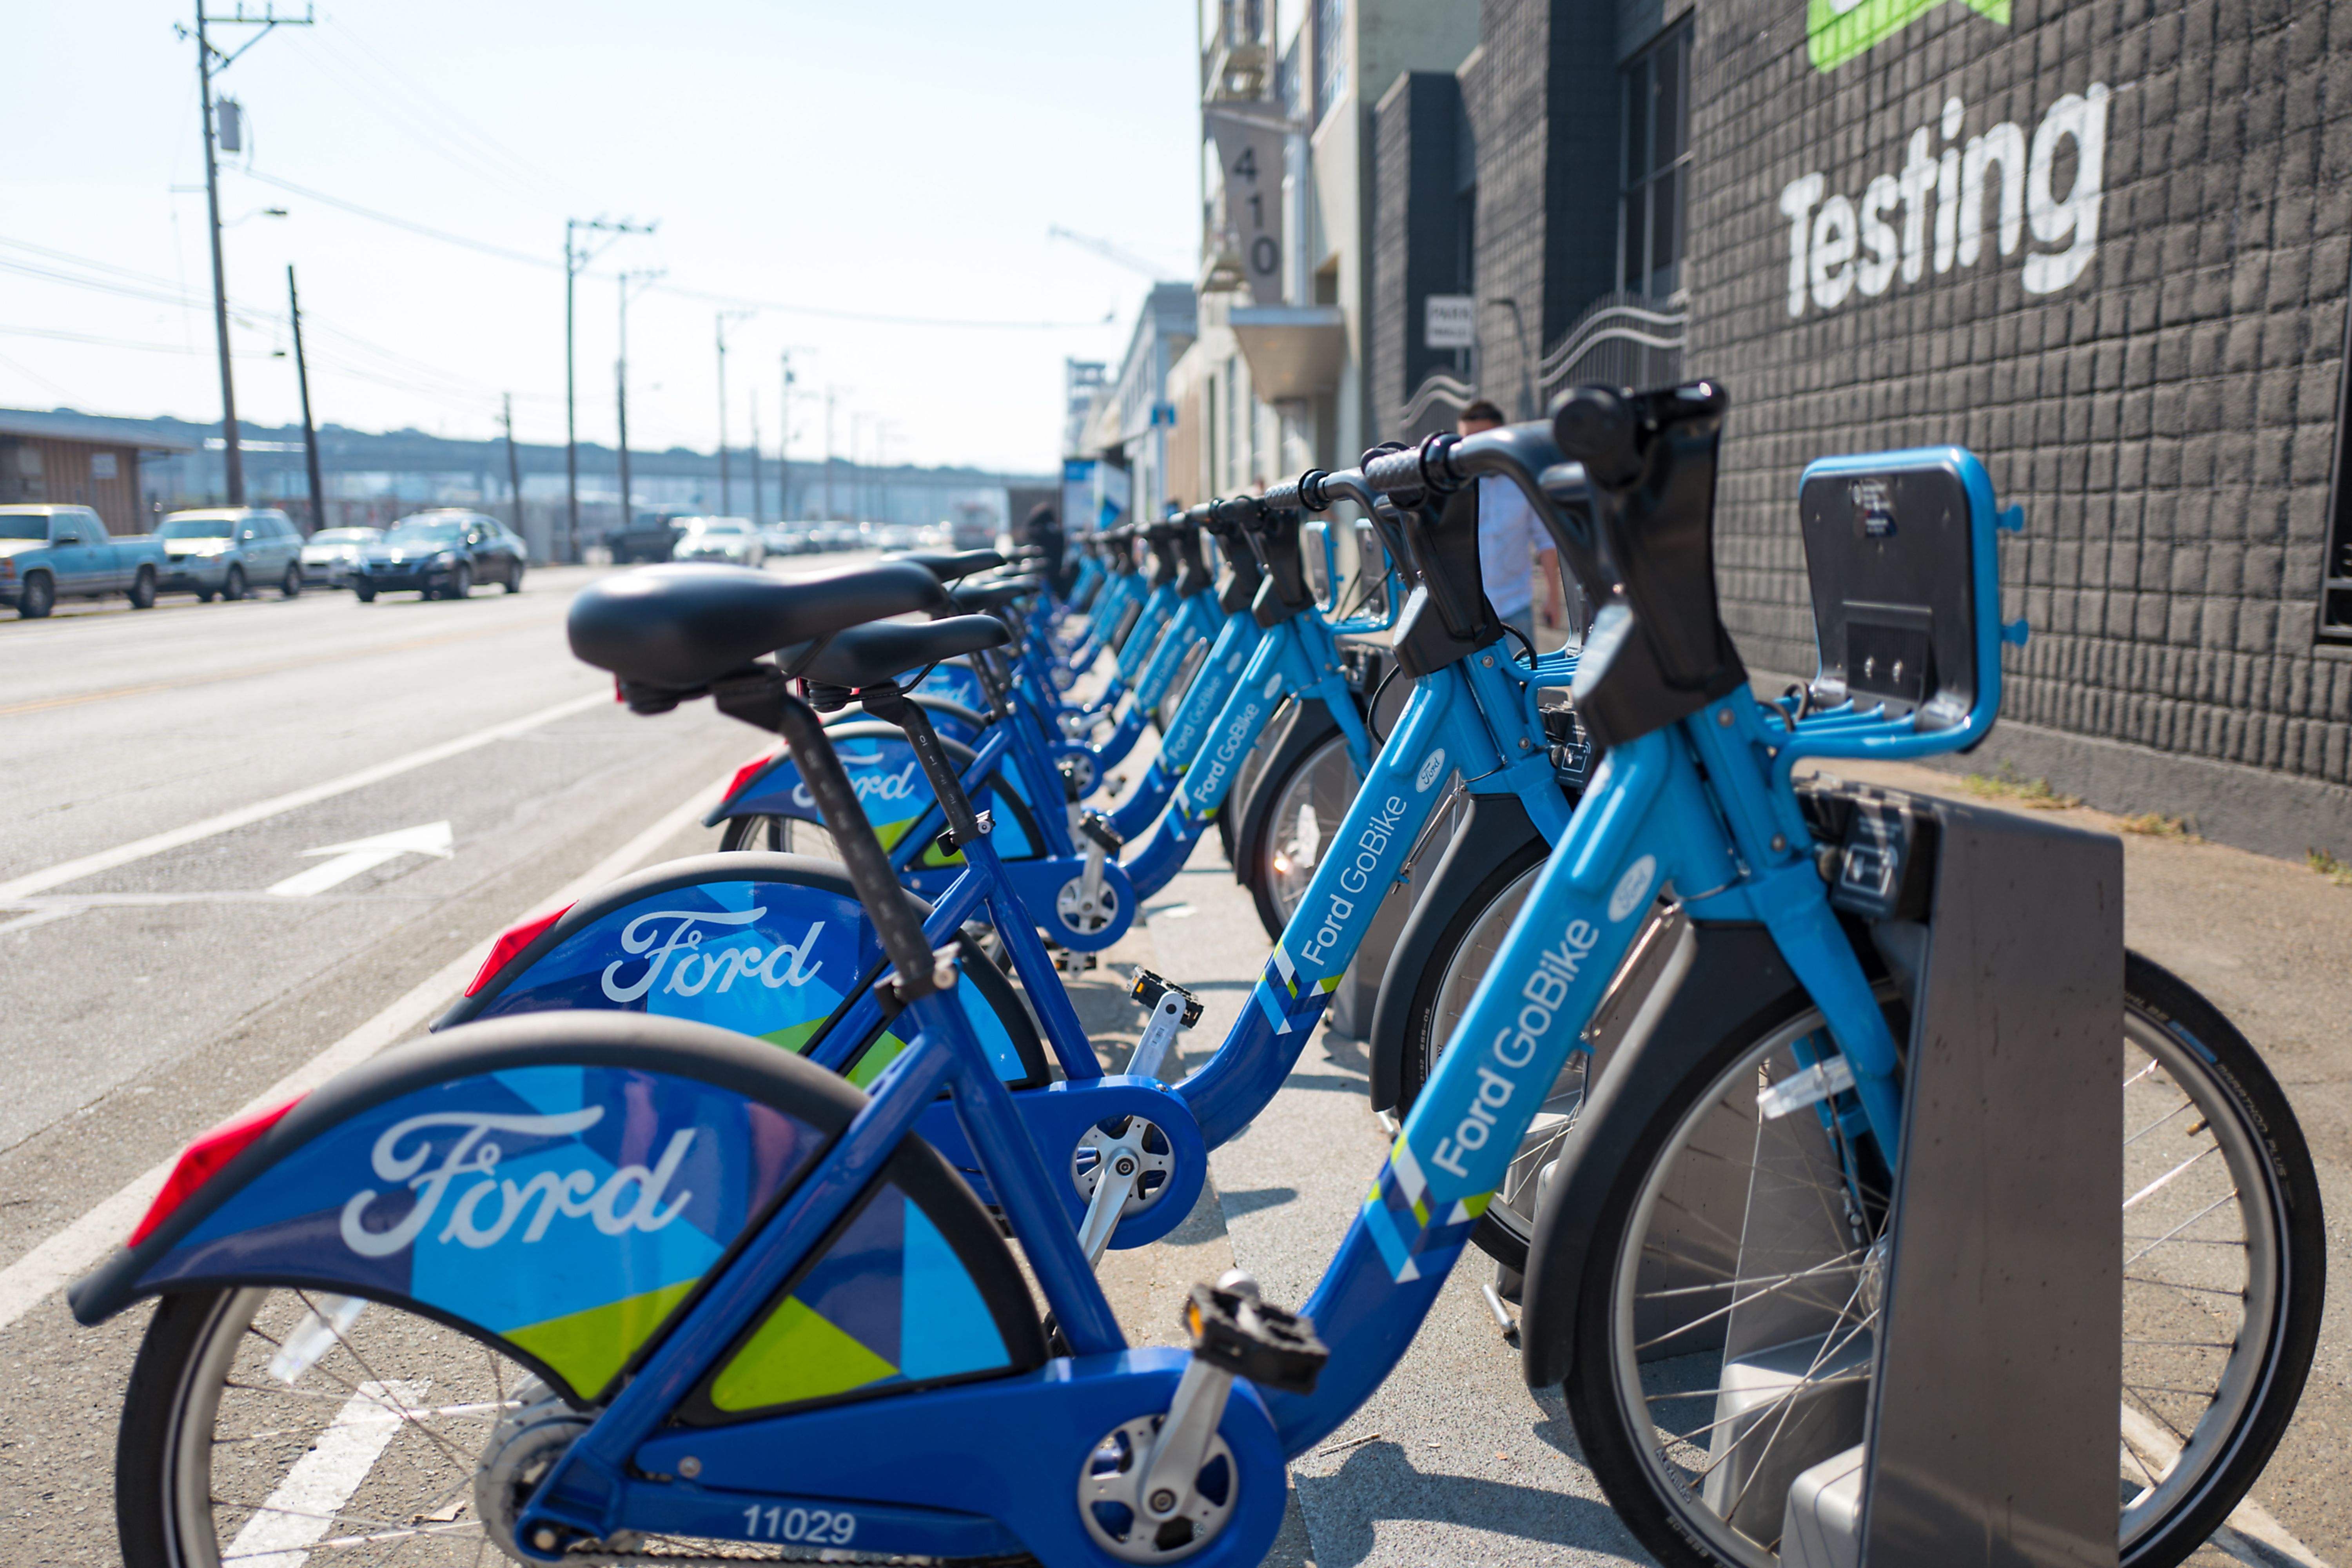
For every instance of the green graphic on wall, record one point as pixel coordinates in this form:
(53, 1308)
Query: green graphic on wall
(1837, 30)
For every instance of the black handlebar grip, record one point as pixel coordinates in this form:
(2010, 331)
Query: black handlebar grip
(1395, 473)
(1290, 494)
(1595, 426)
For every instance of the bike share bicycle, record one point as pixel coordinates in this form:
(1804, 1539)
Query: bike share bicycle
(747, 1355)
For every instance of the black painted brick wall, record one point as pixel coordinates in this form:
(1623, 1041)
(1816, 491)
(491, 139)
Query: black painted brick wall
(1413, 138)
(2168, 421)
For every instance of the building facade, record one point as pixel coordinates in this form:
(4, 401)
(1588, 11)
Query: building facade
(2105, 245)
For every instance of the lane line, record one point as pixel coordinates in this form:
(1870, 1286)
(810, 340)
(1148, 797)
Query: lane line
(309, 1501)
(58, 1260)
(156, 844)
(75, 699)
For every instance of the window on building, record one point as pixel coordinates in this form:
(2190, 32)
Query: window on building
(1653, 181)
(1330, 26)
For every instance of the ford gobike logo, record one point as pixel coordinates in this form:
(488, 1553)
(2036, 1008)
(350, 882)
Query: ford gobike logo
(717, 968)
(482, 1216)
(888, 787)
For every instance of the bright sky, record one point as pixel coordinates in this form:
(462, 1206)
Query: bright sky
(900, 160)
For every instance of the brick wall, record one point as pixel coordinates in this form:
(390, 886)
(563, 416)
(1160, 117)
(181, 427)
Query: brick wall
(2168, 417)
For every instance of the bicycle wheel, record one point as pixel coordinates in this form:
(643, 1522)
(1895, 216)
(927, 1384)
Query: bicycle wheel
(1303, 808)
(785, 834)
(2223, 1275)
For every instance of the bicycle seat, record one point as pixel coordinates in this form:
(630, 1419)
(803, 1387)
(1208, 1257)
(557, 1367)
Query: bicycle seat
(680, 627)
(949, 568)
(868, 656)
(975, 598)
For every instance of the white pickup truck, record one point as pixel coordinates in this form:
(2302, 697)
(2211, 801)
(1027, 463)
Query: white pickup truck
(49, 553)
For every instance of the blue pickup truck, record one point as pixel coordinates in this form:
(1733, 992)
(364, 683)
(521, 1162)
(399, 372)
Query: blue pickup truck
(49, 553)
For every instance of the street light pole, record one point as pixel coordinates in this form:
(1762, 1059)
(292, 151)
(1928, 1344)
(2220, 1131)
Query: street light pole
(621, 392)
(785, 448)
(575, 261)
(514, 470)
(726, 480)
(309, 432)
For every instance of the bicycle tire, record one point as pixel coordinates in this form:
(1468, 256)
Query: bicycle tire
(1299, 730)
(2194, 1052)
(1294, 817)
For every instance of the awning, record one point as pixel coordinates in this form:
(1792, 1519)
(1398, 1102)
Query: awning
(1294, 350)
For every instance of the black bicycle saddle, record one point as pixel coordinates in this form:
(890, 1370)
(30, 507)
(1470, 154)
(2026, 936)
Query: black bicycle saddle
(949, 568)
(679, 627)
(977, 597)
(870, 655)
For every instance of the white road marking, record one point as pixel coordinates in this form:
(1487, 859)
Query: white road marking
(364, 855)
(304, 1508)
(156, 844)
(57, 1261)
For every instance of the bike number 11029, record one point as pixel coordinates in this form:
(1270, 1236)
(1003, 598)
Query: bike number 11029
(781, 1524)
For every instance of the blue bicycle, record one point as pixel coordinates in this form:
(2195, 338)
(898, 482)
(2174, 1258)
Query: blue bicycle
(641, 1285)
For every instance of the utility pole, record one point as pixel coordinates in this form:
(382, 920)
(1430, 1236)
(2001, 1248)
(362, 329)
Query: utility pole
(514, 470)
(784, 449)
(575, 261)
(828, 454)
(726, 481)
(621, 391)
(758, 508)
(309, 432)
(232, 446)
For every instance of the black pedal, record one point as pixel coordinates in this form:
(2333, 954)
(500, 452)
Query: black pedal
(1573, 754)
(1244, 1336)
(1097, 826)
(1074, 786)
(1150, 988)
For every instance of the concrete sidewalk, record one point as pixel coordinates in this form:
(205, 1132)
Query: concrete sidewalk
(1456, 1460)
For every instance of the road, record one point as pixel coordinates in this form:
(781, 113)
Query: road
(163, 987)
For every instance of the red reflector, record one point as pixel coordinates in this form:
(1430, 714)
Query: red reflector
(203, 1159)
(748, 772)
(513, 942)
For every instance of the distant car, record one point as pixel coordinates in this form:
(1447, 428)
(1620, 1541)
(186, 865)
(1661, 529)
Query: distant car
(52, 551)
(731, 539)
(329, 555)
(648, 537)
(440, 555)
(783, 539)
(229, 550)
(890, 536)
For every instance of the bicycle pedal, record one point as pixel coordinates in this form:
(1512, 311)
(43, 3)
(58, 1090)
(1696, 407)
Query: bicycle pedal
(1098, 827)
(1234, 1331)
(1150, 988)
(1072, 962)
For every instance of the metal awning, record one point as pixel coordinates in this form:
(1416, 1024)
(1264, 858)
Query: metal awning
(1294, 350)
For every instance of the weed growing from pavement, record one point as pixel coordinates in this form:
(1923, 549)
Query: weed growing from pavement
(2035, 793)
(2329, 867)
(2156, 826)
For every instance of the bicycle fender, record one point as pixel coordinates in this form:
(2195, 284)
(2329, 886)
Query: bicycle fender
(1058, 1115)
(557, 1187)
(890, 785)
(1735, 978)
(773, 946)
(1495, 828)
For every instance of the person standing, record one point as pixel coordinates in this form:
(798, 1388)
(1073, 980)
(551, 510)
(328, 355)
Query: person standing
(1507, 552)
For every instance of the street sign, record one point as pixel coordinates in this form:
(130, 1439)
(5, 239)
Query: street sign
(1451, 321)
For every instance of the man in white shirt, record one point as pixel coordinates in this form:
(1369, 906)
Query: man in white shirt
(1507, 540)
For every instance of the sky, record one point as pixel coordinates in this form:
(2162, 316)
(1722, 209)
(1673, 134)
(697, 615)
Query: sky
(817, 165)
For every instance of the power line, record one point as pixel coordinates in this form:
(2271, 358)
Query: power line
(443, 235)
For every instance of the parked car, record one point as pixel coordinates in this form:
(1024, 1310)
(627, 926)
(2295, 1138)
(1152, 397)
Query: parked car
(440, 555)
(229, 550)
(52, 551)
(729, 538)
(329, 555)
(649, 537)
(786, 539)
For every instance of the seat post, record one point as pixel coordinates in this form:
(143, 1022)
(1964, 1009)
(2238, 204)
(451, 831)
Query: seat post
(761, 698)
(888, 704)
